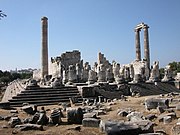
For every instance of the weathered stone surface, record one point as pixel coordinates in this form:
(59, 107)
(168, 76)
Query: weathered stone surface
(87, 91)
(123, 113)
(146, 126)
(43, 119)
(13, 111)
(57, 83)
(90, 115)
(154, 76)
(119, 128)
(168, 73)
(55, 116)
(39, 118)
(72, 74)
(151, 116)
(74, 115)
(61, 63)
(167, 119)
(160, 109)
(109, 75)
(28, 109)
(162, 116)
(92, 78)
(90, 122)
(135, 116)
(153, 103)
(14, 121)
(32, 84)
(101, 74)
(26, 127)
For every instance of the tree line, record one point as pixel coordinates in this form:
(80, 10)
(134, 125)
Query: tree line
(7, 77)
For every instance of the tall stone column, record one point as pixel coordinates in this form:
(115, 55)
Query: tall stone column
(44, 57)
(137, 42)
(146, 45)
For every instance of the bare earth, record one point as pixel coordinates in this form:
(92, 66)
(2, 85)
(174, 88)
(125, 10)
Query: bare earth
(134, 103)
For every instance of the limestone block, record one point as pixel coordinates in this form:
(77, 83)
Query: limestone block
(28, 109)
(13, 111)
(57, 83)
(14, 121)
(55, 116)
(167, 119)
(123, 113)
(87, 91)
(74, 115)
(43, 119)
(90, 115)
(161, 117)
(90, 122)
(153, 103)
(135, 116)
(146, 126)
(119, 128)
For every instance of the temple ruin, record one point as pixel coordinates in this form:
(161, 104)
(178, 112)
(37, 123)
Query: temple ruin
(68, 76)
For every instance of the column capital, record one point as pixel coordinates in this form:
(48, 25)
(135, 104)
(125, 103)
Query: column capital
(44, 18)
(145, 26)
(137, 29)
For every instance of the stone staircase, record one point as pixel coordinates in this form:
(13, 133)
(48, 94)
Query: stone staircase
(45, 96)
(146, 89)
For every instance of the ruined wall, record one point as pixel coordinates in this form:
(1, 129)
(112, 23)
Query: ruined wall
(60, 63)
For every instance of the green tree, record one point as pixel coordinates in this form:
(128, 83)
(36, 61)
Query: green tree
(161, 71)
(5, 80)
(175, 66)
(15, 76)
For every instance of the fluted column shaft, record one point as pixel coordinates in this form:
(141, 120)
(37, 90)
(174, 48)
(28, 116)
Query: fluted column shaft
(137, 42)
(44, 58)
(146, 45)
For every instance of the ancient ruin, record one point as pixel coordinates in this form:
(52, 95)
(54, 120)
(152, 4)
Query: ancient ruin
(84, 93)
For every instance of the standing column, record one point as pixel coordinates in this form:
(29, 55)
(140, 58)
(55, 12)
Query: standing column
(137, 42)
(44, 57)
(146, 45)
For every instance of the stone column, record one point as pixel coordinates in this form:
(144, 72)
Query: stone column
(101, 73)
(44, 57)
(92, 77)
(146, 45)
(137, 42)
(72, 78)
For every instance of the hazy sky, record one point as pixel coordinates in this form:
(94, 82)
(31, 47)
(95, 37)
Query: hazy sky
(90, 26)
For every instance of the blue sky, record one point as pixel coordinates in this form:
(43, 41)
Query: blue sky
(90, 26)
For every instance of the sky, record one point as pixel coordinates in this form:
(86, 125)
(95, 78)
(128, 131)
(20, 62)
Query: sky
(90, 26)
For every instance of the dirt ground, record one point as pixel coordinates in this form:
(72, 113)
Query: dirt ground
(63, 129)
